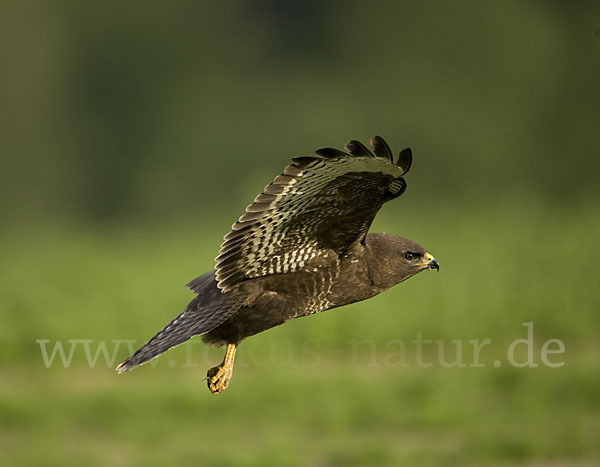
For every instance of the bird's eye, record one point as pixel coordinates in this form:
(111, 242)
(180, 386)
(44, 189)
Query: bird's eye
(409, 256)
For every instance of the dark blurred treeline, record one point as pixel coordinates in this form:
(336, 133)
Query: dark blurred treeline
(134, 110)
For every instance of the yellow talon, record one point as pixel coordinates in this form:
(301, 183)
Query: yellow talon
(218, 377)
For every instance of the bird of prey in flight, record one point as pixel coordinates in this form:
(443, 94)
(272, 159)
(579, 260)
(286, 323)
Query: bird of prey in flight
(300, 248)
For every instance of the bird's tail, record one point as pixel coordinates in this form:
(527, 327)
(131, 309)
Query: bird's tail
(206, 311)
(176, 332)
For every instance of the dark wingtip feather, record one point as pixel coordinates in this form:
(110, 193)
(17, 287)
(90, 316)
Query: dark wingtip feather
(397, 187)
(357, 149)
(331, 153)
(405, 160)
(381, 148)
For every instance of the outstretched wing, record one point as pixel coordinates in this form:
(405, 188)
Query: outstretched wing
(320, 203)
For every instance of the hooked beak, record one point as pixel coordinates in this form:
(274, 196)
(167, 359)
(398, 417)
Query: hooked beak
(430, 262)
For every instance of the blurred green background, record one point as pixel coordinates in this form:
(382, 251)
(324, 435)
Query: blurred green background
(133, 134)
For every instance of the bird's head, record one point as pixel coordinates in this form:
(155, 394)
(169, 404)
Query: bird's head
(394, 259)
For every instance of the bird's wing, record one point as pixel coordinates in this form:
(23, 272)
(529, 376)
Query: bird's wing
(320, 203)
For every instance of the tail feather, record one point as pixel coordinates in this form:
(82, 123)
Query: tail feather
(176, 332)
(205, 312)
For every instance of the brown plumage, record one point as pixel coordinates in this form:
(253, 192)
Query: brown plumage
(300, 248)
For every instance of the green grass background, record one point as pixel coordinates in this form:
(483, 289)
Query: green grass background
(289, 407)
(133, 135)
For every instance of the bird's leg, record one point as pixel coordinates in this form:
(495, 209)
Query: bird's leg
(218, 377)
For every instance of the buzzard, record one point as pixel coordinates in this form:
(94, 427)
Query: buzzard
(300, 248)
